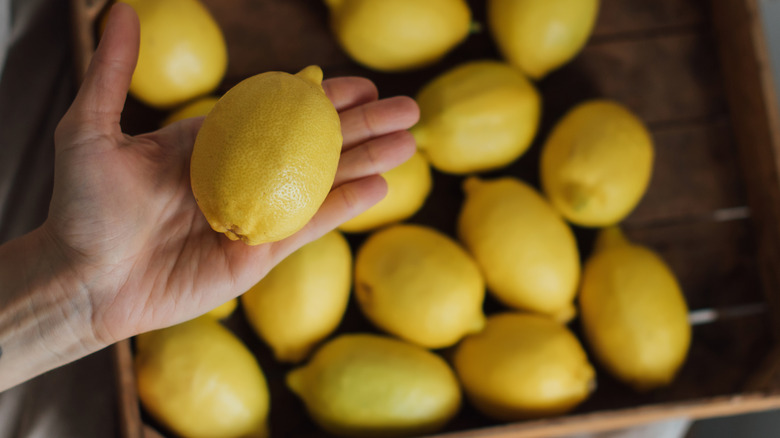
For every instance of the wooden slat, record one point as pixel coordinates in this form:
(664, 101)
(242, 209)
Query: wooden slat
(129, 412)
(619, 419)
(665, 79)
(695, 174)
(751, 94)
(627, 18)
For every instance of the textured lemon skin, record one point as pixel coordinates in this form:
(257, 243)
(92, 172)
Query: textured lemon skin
(634, 313)
(199, 380)
(197, 108)
(597, 163)
(420, 285)
(303, 299)
(527, 253)
(539, 36)
(361, 385)
(182, 54)
(399, 35)
(266, 156)
(408, 186)
(479, 116)
(523, 366)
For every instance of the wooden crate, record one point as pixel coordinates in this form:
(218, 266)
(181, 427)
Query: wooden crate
(697, 73)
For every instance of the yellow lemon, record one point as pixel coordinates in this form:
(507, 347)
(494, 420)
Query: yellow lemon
(634, 313)
(302, 300)
(539, 36)
(199, 107)
(400, 34)
(420, 285)
(526, 251)
(523, 366)
(597, 163)
(266, 156)
(199, 380)
(479, 116)
(362, 385)
(408, 185)
(224, 310)
(182, 54)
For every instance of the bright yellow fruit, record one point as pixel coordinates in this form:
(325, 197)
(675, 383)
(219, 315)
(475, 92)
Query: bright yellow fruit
(523, 366)
(199, 380)
(266, 156)
(199, 107)
(224, 310)
(408, 185)
(526, 251)
(597, 163)
(362, 385)
(182, 54)
(420, 285)
(479, 116)
(633, 312)
(539, 36)
(302, 300)
(399, 35)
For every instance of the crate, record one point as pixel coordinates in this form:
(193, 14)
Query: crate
(697, 73)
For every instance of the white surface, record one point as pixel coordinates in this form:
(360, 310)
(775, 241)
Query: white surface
(770, 14)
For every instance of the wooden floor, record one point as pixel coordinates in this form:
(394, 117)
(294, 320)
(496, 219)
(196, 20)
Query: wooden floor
(659, 58)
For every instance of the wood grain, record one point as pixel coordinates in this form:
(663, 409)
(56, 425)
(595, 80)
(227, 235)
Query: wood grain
(626, 19)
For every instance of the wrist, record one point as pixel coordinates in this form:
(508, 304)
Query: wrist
(45, 310)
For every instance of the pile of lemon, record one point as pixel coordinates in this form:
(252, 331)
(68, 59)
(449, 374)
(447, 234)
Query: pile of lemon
(422, 288)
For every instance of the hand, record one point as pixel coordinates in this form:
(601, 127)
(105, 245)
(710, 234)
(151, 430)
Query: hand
(125, 222)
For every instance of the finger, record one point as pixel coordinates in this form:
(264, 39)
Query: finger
(375, 156)
(378, 118)
(102, 94)
(349, 92)
(342, 204)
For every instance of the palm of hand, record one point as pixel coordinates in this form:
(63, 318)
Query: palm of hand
(123, 215)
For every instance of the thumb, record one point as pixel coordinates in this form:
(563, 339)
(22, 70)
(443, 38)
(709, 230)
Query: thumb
(101, 98)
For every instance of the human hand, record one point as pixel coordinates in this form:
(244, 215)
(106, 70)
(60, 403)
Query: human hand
(123, 217)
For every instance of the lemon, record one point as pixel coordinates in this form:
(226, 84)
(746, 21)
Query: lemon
(302, 300)
(633, 312)
(523, 366)
(182, 53)
(408, 185)
(224, 310)
(266, 156)
(539, 36)
(199, 380)
(420, 285)
(479, 116)
(398, 35)
(526, 251)
(597, 163)
(363, 385)
(199, 107)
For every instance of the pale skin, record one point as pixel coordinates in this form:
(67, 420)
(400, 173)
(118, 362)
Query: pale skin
(125, 249)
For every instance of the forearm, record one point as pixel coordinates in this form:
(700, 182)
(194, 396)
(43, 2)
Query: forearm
(45, 313)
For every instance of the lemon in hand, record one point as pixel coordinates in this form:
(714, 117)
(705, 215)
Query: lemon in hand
(408, 185)
(526, 251)
(361, 385)
(597, 163)
(199, 380)
(399, 35)
(266, 156)
(539, 36)
(182, 53)
(302, 300)
(523, 366)
(479, 116)
(634, 312)
(420, 285)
